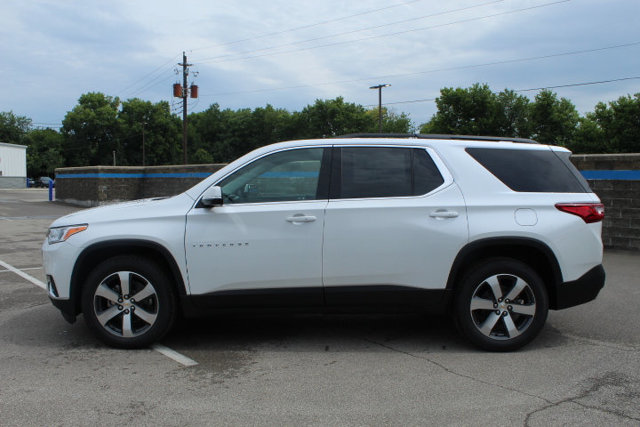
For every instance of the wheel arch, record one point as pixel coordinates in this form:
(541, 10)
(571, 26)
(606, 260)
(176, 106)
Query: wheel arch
(532, 252)
(91, 256)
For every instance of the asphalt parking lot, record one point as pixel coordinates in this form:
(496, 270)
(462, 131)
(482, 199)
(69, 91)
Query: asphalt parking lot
(584, 368)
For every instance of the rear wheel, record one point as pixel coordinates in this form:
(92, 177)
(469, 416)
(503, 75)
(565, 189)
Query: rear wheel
(501, 305)
(127, 302)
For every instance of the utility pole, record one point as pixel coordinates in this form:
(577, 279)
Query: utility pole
(143, 156)
(185, 93)
(379, 87)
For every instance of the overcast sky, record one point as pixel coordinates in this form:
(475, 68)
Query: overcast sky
(249, 53)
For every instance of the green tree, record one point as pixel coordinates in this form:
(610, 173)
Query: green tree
(478, 111)
(13, 128)
(553, 120)
(513, 115)
(239, 136)
(162, 133)
(391, 122)
(91, 130)
(620, 123)
(332, 117)
(228, 134)
(273, 125)
(588, 137)
(206, 130)
(224, 135)
(201, 156)
(44, 152)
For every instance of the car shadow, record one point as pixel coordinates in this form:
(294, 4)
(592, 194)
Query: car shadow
(313, 333)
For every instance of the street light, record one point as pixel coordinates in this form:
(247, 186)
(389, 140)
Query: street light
(379, 87)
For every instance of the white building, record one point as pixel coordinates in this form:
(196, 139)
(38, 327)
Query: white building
(13, 165)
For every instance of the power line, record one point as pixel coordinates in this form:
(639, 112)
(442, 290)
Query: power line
(170, 61)
(355, 31)
(133, 84)
(149, 84)
(303, 27)
(416, 73)
(523, 90)
(392, 34)
(580, 84)
(153, 83)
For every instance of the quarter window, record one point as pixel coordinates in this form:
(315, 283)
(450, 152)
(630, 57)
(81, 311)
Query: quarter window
(539, 171)
(387, 172)
(283, 176)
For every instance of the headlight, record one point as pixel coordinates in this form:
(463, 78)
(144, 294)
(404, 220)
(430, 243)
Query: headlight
(60, 234)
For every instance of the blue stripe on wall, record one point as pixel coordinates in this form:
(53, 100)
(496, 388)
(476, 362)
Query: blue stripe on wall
(289, 175)
(134, 175)
(614, 175)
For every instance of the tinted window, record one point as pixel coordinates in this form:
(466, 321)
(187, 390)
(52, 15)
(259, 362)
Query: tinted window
(283, 176)
(426, 175)
(387, 172)
(531, 170)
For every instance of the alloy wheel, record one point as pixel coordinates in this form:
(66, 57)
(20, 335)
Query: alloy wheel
(126, 304)
(502, 306)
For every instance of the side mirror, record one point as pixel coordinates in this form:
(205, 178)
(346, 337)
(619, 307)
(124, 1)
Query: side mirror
(212, 197)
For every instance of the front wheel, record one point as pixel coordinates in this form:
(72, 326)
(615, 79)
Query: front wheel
(501, 305)
(127, 302)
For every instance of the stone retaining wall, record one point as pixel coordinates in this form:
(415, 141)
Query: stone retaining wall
(98, 185)
(615, 178)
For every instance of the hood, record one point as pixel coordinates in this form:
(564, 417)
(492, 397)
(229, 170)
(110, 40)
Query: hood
(135, 209)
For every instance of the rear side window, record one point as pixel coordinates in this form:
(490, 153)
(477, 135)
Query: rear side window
(537, 171)
(386, 172)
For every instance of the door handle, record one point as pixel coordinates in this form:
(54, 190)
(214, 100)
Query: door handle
(301, 218)
(443, 214)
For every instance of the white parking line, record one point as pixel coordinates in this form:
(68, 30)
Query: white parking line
(22, 269)
(174, 355)
(24, 275)
(166, 351)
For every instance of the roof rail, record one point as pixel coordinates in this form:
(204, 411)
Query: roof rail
(439, 136)
(378, 135)
(477, 138)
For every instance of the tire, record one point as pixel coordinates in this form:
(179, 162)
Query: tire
(501, 305)
(128, 302)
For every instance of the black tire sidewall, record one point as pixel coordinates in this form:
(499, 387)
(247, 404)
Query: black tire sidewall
(150, 270)
(479, 273)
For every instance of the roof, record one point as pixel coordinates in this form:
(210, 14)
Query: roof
(5, 144)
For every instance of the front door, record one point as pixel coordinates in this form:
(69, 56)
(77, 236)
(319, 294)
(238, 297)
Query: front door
(263, 246)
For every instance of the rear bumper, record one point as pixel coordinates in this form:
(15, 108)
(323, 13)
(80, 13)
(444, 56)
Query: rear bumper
(580, 291)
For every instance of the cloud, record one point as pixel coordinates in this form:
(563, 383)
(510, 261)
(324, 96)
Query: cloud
(55, 51)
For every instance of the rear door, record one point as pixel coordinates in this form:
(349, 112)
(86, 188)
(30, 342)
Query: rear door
(393, 225)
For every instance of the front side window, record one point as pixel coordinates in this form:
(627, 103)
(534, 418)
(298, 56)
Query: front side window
(283, 176)
(387, 172)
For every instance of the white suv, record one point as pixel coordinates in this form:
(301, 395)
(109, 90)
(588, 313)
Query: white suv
(495, 231)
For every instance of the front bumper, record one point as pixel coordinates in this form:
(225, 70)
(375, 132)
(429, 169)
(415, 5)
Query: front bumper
(58, 270)
(580, 291)
(66, 307)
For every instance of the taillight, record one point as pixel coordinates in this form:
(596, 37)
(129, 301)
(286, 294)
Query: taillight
(589, 212)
